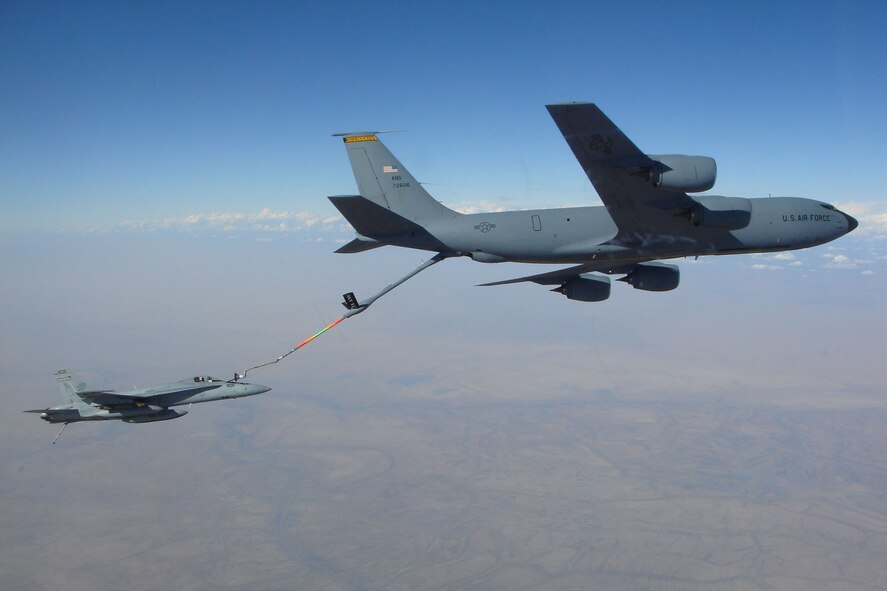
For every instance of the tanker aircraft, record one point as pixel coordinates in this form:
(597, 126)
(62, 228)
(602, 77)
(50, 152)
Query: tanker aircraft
(145, 405)
(649, 214)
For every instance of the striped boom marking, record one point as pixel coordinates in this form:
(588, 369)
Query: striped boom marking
(323, 330)
(294, 349)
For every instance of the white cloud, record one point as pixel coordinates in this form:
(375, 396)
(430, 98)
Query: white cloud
(775, 262)
(477, 207)
(838, 261)
(853, 259)
(264, 220)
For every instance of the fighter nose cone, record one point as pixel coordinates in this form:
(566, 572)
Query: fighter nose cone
(851, 222)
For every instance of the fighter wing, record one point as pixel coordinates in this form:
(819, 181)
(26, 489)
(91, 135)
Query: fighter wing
(141, 397)
(111, 398)
(620, 173)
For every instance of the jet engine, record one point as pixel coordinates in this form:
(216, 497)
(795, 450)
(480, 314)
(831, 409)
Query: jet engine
(688, 174)
(653, 277)
(586, 288)
(486, 257)
(720, 213)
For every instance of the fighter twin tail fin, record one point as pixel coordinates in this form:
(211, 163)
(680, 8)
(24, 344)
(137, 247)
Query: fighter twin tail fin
(70, 385)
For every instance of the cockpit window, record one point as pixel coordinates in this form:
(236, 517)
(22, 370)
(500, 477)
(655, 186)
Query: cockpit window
(827, 206)
(201, 379)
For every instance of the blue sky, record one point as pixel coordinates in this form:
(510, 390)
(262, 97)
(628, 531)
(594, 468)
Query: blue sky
(139, 112)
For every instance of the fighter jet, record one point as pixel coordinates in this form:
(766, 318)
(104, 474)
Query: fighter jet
(649, 214)
(145, 405)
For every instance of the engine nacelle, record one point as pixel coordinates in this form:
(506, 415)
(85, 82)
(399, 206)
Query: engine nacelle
(721, 213)
(688, 174)
(586, 288)
(486, 257)
(653, 277)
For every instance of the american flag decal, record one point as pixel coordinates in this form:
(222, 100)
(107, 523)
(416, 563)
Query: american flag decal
(389, 169)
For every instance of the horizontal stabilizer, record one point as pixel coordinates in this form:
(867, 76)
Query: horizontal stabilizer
(359, 244)
(371, 219)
